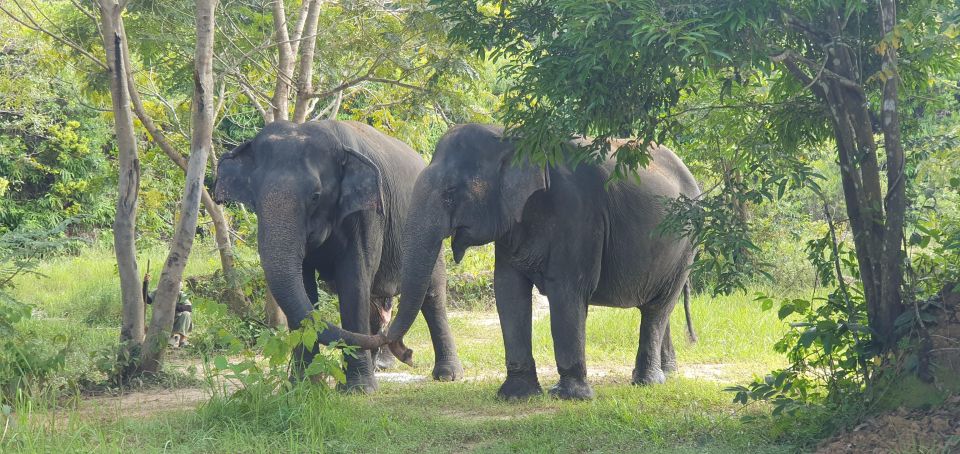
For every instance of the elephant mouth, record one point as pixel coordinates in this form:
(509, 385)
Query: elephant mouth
(459, 242)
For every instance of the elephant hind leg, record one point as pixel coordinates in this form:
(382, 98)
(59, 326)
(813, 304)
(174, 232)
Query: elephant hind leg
(668, 356)
(655, 355)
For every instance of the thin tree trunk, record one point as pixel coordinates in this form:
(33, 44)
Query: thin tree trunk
(295, 38)
(860, 175)
(200, 145)
(895, 201)
(124, 225)
(284, 62)
(305, 77)
(233, 295)
(876, 220)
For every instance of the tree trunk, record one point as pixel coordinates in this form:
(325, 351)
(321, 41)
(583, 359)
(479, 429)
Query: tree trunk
(895, 201)
(305, 77)
(876, 219)
(284, 63)
(870, 222)
(200, 145)
(233, 295)
(124, 225)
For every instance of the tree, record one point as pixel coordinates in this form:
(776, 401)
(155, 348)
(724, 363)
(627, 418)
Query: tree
(124, 226)
(203, 115)
(620, 68)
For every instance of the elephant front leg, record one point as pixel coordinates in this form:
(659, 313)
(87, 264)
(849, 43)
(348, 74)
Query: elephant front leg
(447, 366)
(514, 306)
(568, 320)
(354, 285)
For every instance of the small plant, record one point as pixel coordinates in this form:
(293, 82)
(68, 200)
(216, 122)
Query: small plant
(246, 371)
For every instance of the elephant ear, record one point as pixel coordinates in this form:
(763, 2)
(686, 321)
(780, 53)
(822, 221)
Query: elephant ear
(233, 176)
(361, 187)
(520, 180)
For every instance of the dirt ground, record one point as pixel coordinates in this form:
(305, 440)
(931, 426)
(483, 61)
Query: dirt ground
(934, 430)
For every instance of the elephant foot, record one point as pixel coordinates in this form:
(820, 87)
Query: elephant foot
(520, 387)
(570, 388)
(358, 385)
(649, 377)
(669, 367)
(450, 370)
(384, 360)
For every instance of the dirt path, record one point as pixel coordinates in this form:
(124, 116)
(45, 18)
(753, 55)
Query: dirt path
(140, 403)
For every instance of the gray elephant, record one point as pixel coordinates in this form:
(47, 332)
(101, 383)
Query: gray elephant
(561, 230)
(330, 199)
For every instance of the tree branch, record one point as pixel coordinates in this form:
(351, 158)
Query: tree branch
(61, 39)
(792, 60)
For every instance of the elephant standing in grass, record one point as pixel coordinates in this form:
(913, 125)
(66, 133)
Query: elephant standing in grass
(561, 230)
(330, 199)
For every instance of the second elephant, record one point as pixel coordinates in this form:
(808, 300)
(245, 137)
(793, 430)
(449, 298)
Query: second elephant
(565, 231)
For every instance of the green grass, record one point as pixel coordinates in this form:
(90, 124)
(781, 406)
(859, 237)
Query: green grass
(681, 416)
(690, 413)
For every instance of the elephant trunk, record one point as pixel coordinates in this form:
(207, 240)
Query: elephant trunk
(424, 230)
(282, 245)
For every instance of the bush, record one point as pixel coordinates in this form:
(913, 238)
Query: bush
(27, 360)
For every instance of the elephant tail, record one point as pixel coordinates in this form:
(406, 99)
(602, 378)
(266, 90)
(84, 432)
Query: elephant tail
(686, 310)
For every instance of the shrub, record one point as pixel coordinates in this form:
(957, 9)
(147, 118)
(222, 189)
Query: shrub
(27, 361)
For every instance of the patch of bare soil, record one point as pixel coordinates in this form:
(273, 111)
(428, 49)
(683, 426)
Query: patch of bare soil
(541, 308)
(400, 377)
(139, 404)
(934, 431)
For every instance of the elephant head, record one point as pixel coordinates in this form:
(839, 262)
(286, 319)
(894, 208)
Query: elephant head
(302, 181)
(472, 191)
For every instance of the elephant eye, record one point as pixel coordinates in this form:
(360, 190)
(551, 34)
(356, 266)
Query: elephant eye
(315, 196)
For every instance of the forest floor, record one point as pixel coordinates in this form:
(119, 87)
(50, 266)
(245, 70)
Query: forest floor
(410, 412)
(191, 412)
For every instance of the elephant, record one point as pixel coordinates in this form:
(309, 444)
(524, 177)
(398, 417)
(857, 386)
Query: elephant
(565, 230)
(330, 198)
